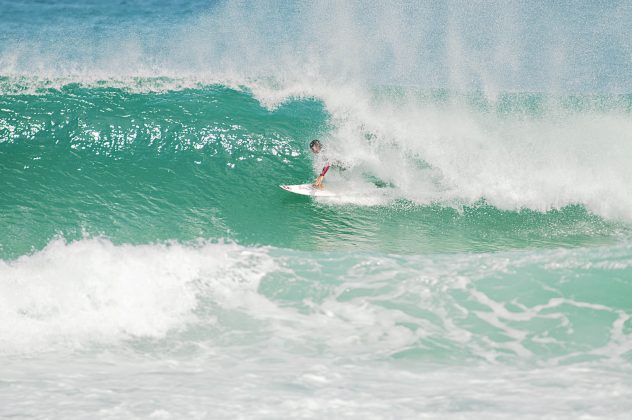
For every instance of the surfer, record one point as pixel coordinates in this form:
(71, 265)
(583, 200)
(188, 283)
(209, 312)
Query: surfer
(315, 147)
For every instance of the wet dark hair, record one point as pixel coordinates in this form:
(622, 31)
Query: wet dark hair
(314, 143)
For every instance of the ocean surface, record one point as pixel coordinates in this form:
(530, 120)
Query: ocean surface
(475, 262)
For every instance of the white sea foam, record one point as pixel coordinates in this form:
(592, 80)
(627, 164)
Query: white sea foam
(235, 386)
(92, 292)
(71, 294)
(453, 154)
(528, 334)
(221, 330)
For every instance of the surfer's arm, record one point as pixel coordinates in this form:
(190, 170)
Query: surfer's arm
(320, 178)
(318, 181)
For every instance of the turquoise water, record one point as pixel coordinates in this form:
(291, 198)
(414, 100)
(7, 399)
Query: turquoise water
(205, 163)
(477, 256)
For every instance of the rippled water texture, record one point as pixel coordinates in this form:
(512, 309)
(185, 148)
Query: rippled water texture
(475, 260)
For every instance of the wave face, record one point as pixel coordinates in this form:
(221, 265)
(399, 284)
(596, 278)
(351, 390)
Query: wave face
(206, 162)
(475, 258)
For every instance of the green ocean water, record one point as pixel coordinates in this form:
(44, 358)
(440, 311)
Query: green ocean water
(200, 168)
(206, 163)
(475, 260)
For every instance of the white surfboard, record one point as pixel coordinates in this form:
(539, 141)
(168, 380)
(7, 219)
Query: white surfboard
(307, 189)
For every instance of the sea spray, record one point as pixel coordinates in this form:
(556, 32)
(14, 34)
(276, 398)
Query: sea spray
(477, 264)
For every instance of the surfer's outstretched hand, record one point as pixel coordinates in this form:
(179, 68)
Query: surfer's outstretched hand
(319, 182)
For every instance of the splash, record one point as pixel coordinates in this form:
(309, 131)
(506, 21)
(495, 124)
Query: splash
(72, 295)
(492, 308)
(492, 48)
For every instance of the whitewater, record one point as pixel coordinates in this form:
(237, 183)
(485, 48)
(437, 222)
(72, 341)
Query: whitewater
(477, 262)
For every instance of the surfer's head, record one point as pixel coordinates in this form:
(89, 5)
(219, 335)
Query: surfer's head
(315, 146)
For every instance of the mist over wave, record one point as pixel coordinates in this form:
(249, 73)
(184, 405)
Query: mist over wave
(532, 151)
(474, 263)
(519, 151)
(490, 46)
